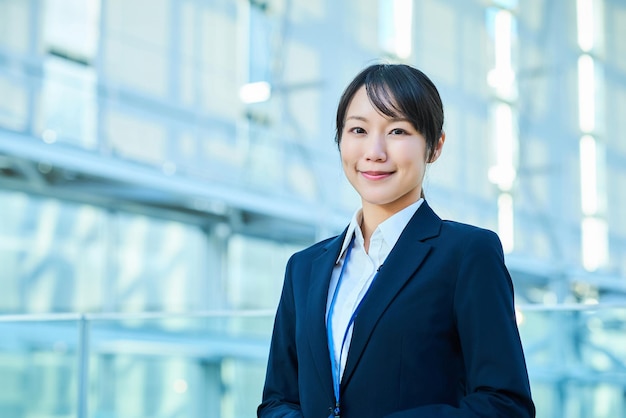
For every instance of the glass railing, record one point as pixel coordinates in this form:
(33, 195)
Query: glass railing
(212, 364)
(208, 364)
(576, 356)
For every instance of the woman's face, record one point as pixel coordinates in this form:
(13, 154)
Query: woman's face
(383, 158)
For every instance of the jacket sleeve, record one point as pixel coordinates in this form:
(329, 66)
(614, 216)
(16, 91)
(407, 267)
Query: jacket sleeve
(280, 393)
(497, 381)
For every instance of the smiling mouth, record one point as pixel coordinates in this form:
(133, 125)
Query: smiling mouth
(376, 175)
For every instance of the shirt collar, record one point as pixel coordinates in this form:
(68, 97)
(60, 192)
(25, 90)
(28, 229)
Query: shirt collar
(391, 228)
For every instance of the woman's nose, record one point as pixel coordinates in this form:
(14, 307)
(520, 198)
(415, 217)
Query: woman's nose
(376, 149)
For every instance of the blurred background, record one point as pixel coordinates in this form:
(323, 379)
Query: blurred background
(161, 159)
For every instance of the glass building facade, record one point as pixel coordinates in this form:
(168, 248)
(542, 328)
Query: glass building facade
(160, 160)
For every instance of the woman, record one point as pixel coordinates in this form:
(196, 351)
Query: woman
(403, 314)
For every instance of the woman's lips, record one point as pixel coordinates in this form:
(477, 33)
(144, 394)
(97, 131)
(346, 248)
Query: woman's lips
(376, 175)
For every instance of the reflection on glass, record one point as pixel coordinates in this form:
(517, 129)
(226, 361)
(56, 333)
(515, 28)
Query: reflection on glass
(212, 364)
(576, 360)
(202, 365)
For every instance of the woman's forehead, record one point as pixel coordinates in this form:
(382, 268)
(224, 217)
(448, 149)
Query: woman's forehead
(383, 99)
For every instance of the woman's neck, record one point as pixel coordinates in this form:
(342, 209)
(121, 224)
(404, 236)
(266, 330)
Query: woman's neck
(372, 217)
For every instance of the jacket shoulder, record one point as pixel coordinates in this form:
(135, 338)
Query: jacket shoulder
(466, 230)
(470, 237)
(314, 250)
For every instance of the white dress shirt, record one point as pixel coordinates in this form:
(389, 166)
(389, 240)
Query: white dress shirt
(360, 271)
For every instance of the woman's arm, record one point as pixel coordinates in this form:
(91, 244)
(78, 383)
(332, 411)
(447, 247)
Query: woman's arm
(497, 381)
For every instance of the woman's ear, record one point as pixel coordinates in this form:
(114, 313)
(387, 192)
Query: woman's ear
(438, 148)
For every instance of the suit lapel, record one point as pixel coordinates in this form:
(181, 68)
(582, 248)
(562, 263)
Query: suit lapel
(401, 264)
(321, 271)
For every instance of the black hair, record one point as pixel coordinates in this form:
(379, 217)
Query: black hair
(398, 90)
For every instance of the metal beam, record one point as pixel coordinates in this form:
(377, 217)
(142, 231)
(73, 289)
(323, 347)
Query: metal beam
(130, 174)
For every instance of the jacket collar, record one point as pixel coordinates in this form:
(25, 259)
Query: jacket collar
(405, 258)
(390, 228)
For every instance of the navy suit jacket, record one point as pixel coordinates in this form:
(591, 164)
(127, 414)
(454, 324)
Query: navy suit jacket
(436, 335)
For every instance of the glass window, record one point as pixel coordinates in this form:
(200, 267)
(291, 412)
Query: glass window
(74, 85)
(72, 29)
(64, 257)
(257, 269)
(395, 27)
(16, 33)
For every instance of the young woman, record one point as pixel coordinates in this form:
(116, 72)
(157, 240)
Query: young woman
(403, 314)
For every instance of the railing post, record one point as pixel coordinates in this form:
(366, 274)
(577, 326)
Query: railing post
(83, 366)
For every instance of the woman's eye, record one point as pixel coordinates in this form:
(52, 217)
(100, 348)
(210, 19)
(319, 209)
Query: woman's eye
(357, 130)
(397, 131)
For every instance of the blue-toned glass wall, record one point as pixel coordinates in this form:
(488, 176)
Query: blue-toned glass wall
(84, 114)
(138, 175)
(560, 101)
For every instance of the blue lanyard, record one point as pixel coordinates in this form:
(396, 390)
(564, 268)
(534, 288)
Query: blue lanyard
(336, 363)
